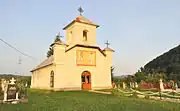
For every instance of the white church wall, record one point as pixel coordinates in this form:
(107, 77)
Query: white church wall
(41, 78)
(100, 74)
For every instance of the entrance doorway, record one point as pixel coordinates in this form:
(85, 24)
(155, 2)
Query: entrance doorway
(86, 80)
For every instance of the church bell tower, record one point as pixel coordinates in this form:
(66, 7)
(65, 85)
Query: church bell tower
(81, 31)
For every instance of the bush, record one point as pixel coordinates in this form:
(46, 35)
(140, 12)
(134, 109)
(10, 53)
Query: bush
(135, 95)
(146, 97)
(115, 92)
(22, 90)
(1, 92)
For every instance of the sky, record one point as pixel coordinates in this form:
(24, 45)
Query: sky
(138, 30)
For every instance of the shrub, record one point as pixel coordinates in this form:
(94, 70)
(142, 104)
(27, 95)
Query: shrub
(22, 90)
(146, 97)
(1, 92)
(115, 92)
(135, 95)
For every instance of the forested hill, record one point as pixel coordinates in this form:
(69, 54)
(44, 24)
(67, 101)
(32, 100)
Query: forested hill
(168, 62)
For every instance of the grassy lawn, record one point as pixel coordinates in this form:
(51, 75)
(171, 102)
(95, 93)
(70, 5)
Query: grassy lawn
(86, 101)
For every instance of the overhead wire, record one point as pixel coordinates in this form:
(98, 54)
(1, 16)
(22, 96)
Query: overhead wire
(17, 50)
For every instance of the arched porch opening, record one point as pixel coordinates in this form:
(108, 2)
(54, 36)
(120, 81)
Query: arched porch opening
(86, 80)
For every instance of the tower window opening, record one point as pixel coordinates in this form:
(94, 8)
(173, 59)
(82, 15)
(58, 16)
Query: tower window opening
(85, 35)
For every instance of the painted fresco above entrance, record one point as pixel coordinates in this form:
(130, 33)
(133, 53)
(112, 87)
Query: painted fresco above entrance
(85, 58)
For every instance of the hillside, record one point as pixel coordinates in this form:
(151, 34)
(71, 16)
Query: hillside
(168, 62)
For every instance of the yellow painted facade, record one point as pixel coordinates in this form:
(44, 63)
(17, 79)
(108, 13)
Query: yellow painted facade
(70, 60)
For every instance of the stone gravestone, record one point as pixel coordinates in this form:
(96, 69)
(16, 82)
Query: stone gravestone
(133, 85)
(176, 86)
(10, 93)
(130, 84)
(161, 85)
(136, 85)
(124, 85)
(118, 86)
(26, 85)
(3, 82)
(171, 83)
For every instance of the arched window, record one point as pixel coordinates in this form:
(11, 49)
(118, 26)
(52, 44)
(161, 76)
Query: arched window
(85, 32)
(52, 79)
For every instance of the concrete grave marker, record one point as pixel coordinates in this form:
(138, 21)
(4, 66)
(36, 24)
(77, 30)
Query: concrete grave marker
(10, 91)
(161, 85)
(124, 85)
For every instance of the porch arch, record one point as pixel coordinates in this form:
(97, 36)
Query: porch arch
(86, 80)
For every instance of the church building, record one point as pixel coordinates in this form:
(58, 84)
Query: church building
(78, 64)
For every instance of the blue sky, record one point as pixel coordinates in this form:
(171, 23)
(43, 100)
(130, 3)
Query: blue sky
(138, 30)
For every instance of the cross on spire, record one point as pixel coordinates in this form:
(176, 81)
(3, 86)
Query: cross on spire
(107, 44)
(58, 38)
(59, 35)
(80, 10)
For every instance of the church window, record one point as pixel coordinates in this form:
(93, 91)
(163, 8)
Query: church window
(85, 35)
(52, 79)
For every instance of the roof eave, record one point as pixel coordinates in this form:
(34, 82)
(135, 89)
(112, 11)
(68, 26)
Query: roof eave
(87, 47)
(79, 22)
(41, 67)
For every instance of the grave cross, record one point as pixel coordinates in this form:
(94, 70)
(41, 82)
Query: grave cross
(12, 81)
(80, 10)
(107, 44)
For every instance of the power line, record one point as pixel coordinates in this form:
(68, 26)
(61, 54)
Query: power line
(17, 49)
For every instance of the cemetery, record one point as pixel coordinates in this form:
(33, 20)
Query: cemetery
(168, 91)
(123, 96)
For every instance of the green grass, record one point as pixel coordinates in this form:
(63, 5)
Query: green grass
(86, 101)
(105, 90)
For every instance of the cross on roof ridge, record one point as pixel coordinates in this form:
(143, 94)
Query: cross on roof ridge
(80, 10)
(59, 35)
(107, 44)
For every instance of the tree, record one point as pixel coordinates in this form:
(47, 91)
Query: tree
(50, 51)
(139, 76)
(58, 38)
